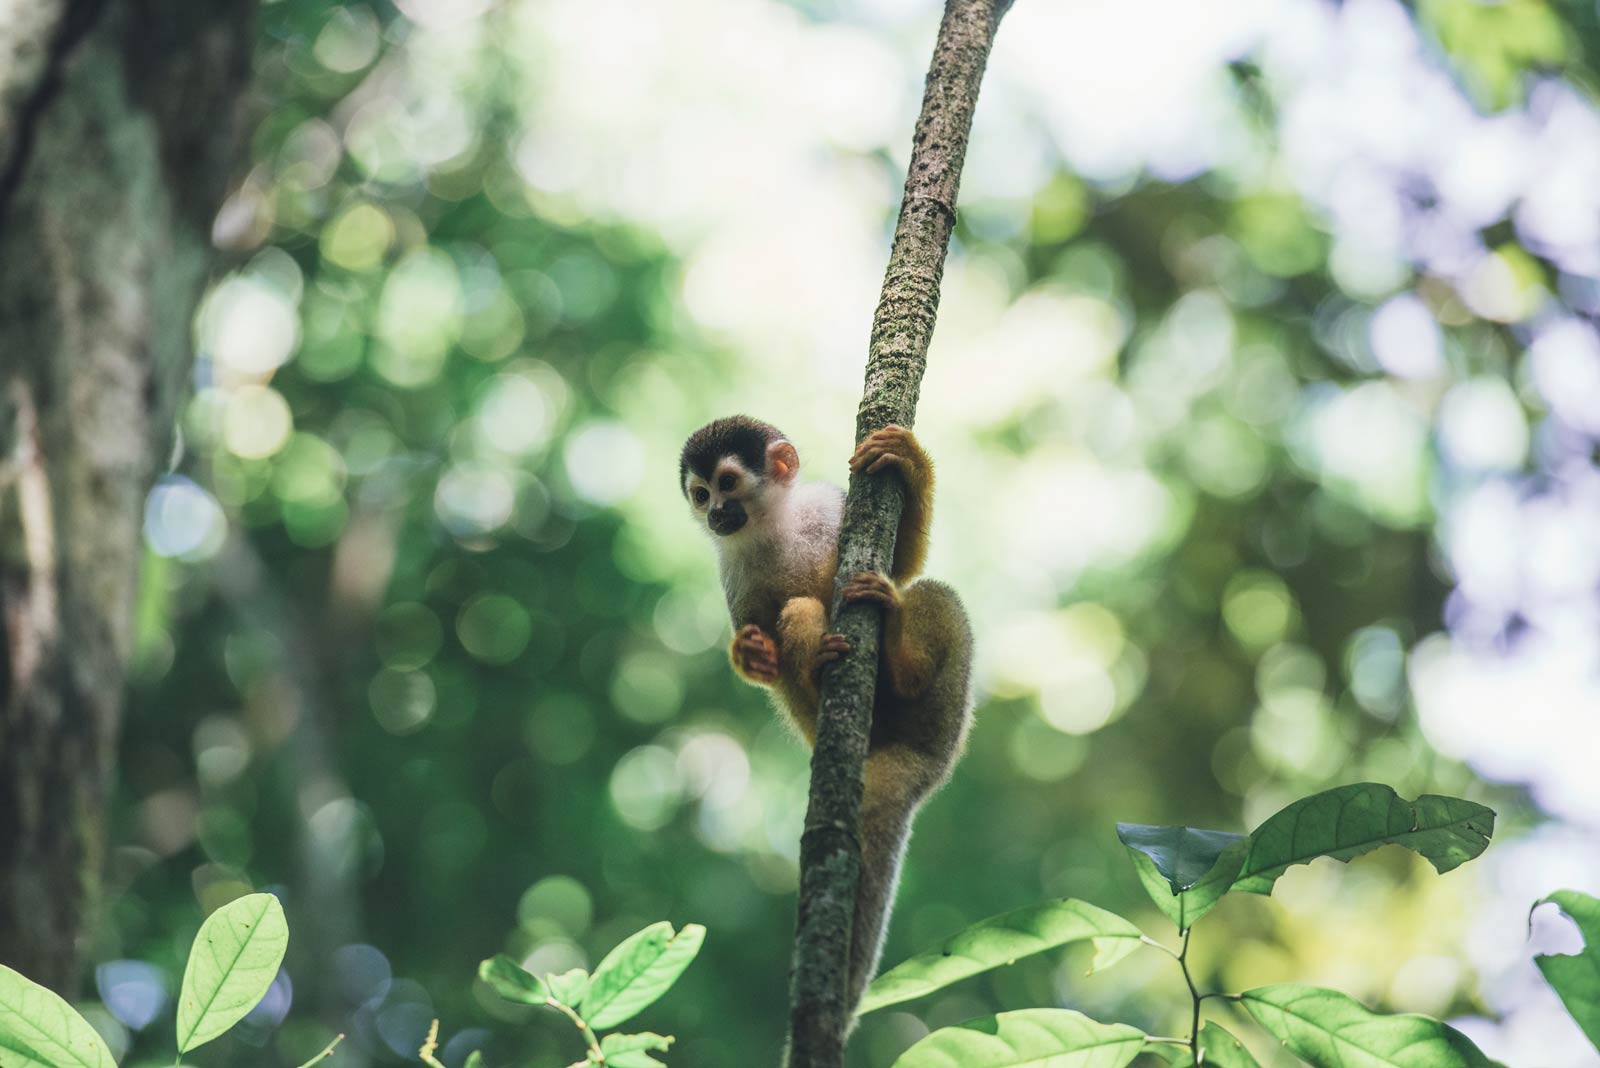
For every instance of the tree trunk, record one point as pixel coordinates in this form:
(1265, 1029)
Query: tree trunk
(902, 326)
(117, 122)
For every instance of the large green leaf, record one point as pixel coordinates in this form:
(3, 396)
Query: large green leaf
(638, 971)
(633, 1051)
(1576, 977)
(513, 982)
(39, 1030)
(1328, 1029)
(1222, 1050)
(1029, 1038)
(233, 961)
(1348, 821)
(1181, 854)
(1001, 940)
(1200, 898)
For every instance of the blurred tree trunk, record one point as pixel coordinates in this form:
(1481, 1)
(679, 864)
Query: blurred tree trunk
(117, 122)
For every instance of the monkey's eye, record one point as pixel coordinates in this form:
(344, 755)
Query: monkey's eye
(700, 495)
(725, 483)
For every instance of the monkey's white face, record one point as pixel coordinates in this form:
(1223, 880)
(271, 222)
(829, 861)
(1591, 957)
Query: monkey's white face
(734, 500)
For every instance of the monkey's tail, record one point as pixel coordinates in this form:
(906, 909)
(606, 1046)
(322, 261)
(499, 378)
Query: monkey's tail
(884, 833)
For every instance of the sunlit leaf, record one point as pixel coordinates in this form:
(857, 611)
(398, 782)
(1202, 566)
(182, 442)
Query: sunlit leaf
(1029, 1038)
(1185, 908)
(1348, 821)
(638, 971)
(1576, 976)
(513, 982)
(232, 964)
(1001, 940)
(1181, 854)
(40, 1030)
(1223, 1050)
(633, 1051)
(570, 987)
(1328, 1029)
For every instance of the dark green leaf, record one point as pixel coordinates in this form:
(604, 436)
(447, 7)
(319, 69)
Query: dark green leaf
(633, 1051)
(1181, 854)
(1223, 1050)
(1328, 1029)
(232, 964)
(570, 987)
(1576, 977)
(1001, 940)
(638, 971)
(513, 982)
(1186, 908)
(1348, 821)
(1030, 1038)
(40, 1030)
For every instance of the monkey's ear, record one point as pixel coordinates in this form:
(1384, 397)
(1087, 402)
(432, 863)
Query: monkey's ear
(783, 462)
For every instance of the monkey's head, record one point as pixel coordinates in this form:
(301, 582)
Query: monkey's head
(734, 472)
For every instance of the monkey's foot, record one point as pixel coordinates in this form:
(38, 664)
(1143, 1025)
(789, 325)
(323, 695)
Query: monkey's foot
(893, 446)
(872, 586)
(755, 654)
(832, 647)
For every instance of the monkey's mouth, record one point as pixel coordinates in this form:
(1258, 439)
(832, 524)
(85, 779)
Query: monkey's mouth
(729, 519)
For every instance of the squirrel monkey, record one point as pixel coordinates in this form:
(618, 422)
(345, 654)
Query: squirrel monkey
(777, 540)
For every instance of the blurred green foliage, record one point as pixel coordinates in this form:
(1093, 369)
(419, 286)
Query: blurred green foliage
(428, 647)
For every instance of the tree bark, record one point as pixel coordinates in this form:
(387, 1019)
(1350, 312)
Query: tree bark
(117, 122)
(830, 847)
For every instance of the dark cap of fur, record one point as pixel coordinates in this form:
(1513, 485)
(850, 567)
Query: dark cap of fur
(737, 435)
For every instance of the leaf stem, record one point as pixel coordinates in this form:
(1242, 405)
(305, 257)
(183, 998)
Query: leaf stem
(1194, 1020)
(595, 1053)
(1168, 950)
(326, 1051)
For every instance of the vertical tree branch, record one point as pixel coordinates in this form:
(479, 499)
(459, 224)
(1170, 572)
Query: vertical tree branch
(830, 848)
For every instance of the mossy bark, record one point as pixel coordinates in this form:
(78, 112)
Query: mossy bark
(830, 848)
(116, 139)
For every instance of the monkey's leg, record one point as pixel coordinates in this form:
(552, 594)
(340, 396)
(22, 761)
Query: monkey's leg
(754, 656)
(907, 653)
(897, 448)
(804, 647)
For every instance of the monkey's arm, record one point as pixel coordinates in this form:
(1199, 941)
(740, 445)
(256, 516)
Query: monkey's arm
(897, 448)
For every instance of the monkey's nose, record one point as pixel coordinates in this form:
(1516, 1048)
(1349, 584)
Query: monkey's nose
(726, 518)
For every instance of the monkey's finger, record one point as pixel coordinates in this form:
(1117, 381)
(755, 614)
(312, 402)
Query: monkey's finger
(886, 460)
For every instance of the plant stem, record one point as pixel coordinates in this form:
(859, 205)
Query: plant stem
(1194, 1020)
(326, 1051)
(595, 1054)
(429, 1046)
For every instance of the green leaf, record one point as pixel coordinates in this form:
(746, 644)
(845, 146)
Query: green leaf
(1001, 940)
(1186, 908)
(513, 982)
(1328, 1029)
(633, 1051)
(639, 970)
(1348, 821)
(39, 1030)
(570, 987)
(474, 1059)
(1223, 1050)
(1576, 976)
(233, 962)
(1181, 854)
(1040, 1038)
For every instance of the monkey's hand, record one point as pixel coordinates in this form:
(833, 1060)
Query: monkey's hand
(754, 655)
(894, 448)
